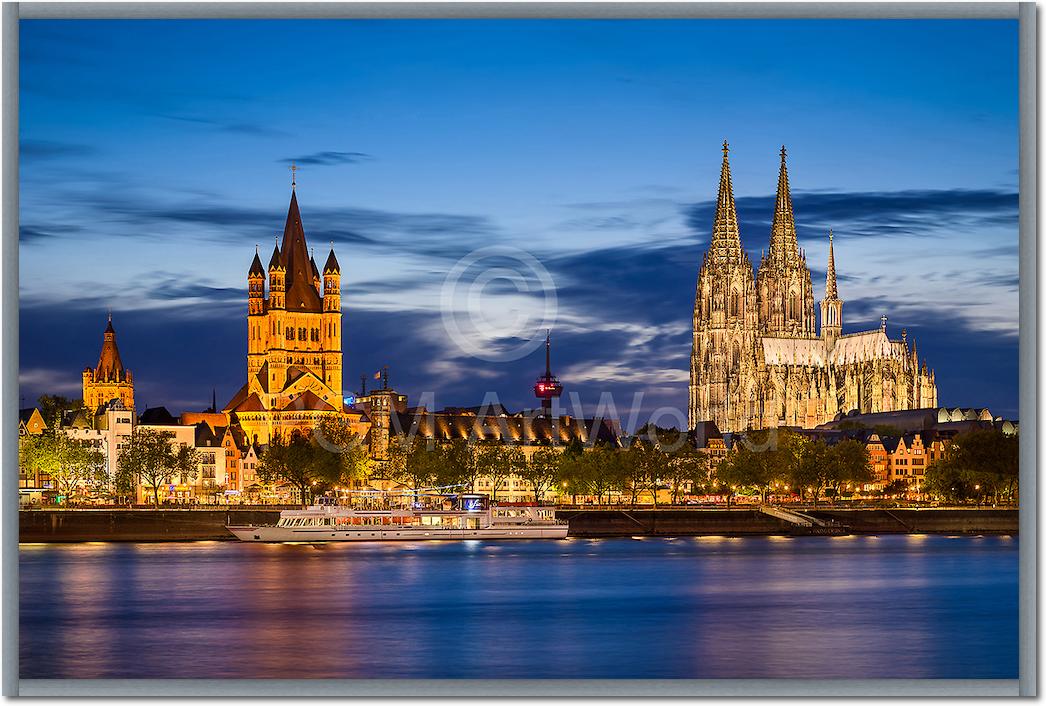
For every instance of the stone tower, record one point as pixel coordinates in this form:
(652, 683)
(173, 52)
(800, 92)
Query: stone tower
(726, 323)
(831, 305)
(109, 380)
(294, 338)
(786, 298)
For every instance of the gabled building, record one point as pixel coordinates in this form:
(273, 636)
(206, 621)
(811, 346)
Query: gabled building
(30, 421)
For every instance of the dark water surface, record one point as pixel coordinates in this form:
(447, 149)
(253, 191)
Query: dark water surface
(888, 606)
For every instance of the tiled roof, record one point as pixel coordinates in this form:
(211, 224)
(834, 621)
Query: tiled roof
(308, 400)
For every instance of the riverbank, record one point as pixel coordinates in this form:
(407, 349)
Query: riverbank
(168, 525)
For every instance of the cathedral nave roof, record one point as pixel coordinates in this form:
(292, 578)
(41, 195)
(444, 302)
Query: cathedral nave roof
(794, 351)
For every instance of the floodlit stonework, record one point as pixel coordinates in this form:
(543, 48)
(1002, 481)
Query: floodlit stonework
(108, 380)
(758, 360)
(294, 341)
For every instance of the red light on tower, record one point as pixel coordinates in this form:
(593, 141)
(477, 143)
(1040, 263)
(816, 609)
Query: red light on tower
(547, 386)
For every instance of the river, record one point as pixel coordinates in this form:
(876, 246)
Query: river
(709, 607)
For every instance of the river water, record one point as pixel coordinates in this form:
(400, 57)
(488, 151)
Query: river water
(857, 607)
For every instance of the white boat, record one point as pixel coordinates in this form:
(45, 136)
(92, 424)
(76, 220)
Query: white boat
(462, 517)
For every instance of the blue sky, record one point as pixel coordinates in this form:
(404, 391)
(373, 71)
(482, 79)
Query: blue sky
(154, 157)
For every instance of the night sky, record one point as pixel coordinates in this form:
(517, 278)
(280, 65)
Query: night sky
(154, 157)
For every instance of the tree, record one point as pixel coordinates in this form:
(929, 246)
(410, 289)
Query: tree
(70, 463)
(303, 462)
(542, 471)
(337, 438)
(687, 468)
(981, 463)
(53, 407)
(412, 463)
(751, 464)
(497, 462)
(150, 459)
(851, 461)
(601, 471)
(456, 465)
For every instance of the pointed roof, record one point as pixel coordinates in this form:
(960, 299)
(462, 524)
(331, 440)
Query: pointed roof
(110, 367)
(726, 235)
(157, 416)
(276, 261)
(256, 266)
(315, 270)
(301, 291)
(783, 242)
(830, 290)
(332, 263)
(310, 401)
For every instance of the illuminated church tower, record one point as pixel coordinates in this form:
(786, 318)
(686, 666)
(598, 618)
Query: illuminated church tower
(109, 380)
(294, 338)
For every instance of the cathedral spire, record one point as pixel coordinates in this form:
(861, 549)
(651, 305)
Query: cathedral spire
(830, 290)
(301, 290)
(726, 236)
(783, 241)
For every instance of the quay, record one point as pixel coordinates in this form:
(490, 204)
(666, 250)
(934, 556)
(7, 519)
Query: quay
(179, 525)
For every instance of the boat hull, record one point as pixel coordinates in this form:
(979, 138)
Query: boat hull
(394, 534)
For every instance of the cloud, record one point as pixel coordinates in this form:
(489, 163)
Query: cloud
(137, 213)
(31, 233)
(247, 128)
(29, 150)
(872, 213)
(33, 382)
(327, 159)
(171, 287)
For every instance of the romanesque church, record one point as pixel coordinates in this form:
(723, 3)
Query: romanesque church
(294, 341)
(758, 360)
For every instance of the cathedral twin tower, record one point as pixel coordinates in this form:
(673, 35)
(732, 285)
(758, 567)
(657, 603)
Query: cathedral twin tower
(758, 360)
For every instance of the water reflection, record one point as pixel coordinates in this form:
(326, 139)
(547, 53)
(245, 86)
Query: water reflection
(889, 606)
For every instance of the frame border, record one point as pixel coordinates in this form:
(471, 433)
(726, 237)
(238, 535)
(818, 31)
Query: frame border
(1026, 12)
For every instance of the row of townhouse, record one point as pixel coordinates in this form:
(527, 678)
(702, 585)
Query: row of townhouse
(227, 468)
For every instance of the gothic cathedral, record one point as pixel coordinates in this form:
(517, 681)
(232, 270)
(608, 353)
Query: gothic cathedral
(758, 361)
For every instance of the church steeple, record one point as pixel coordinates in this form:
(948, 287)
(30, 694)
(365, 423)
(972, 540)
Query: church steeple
(831, 306)
(783, 242)
(301, 291)
(726, 235)
(830, 289)
(108, 380)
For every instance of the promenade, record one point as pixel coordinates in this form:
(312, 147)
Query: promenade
(175, 525)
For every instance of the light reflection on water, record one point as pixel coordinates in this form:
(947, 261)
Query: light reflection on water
(889, 606)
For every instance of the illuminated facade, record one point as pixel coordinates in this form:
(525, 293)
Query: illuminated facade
(294, 340)
(109, 380)
(757, 359)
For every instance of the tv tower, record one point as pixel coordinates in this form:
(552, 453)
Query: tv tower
(548, 385)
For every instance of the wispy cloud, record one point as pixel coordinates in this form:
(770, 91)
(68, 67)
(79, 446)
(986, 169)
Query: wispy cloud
(873, 213)
(328, 159)
(30, 150)
(28, 233)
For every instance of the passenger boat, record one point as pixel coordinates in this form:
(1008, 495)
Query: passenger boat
(458, 517)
